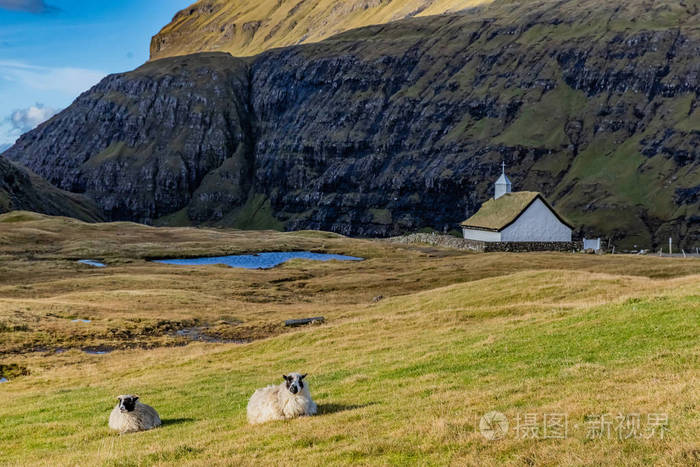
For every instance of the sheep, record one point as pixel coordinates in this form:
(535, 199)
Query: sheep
(287, 400)
(130, 415)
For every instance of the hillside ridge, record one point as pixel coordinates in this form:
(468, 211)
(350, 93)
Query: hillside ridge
(21, 189)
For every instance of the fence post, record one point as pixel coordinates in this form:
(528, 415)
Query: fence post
(670, 248)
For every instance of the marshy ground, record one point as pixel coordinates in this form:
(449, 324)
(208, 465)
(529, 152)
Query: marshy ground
(402, 379)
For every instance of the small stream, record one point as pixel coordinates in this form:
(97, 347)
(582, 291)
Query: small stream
(197, 334)
(92, 262)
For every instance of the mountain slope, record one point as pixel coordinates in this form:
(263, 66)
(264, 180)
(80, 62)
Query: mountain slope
(391, 128)
(23, 190)
(248, 27)
(142, 143)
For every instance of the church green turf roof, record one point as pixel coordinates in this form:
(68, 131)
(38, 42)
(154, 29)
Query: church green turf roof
(497, 214)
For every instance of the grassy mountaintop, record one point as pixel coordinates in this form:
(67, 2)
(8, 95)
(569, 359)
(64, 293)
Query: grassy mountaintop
(405, 379)
(249, 27)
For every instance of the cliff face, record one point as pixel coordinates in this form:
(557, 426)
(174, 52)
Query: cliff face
(392, 128)
(23, 190)
(248, 27)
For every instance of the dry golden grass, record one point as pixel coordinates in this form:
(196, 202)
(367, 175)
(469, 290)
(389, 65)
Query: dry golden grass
(404, 380)
(248, 27)
(134, 302)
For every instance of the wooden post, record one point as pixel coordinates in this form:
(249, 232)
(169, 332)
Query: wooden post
(683, 251)
(670, 248)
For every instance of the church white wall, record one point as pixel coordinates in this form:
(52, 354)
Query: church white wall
(481, 235)
(536, 224)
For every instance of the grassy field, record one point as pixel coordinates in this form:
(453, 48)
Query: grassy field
(404, 379)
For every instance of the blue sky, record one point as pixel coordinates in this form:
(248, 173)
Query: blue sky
(52, 50)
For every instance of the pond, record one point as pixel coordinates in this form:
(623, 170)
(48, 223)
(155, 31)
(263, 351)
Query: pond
(92, 262)
(259, 260)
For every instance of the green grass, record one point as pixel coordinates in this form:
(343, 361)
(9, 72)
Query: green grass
(256, 213)
(113, 151)
(381, 216)
(541, 123)
(405, 381)
(177, 219)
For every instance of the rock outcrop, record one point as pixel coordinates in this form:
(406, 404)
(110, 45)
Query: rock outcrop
(387, 129)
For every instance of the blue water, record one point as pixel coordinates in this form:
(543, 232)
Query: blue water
(91, 262)
(258, 261)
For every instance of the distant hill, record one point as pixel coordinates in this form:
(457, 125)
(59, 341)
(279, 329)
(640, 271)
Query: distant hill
(392, 128)
(22, 190)
(248, 27)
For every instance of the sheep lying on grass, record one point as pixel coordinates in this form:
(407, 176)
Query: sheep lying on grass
(130, 415)
(287, 400)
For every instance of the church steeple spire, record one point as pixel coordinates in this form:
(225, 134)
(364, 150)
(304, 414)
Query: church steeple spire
(503, 184)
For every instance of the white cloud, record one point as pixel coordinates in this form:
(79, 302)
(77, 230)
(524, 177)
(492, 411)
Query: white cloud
(30, 6)
(28, 119)
(21, 121)
(66, 80)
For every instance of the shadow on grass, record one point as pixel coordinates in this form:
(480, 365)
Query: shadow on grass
(175, 421)
(325, 409)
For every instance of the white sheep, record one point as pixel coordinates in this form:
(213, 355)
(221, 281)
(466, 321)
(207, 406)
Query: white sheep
(130, 415)
(287, 400)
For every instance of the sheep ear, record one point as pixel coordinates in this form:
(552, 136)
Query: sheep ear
(136, 398)
(285, 377)
(303, 376)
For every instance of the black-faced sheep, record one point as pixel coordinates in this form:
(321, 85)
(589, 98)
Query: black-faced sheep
(287, 400)
(130, 415)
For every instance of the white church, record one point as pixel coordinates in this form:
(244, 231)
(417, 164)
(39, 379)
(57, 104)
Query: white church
(516, 216)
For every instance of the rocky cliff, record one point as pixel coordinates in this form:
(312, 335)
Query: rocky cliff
(392, 128)
(248, 27)
(22, 190)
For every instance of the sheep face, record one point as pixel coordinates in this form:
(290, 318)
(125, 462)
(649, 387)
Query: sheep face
(127, 403)
(294, 382)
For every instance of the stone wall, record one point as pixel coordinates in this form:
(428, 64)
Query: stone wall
(449, 241)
